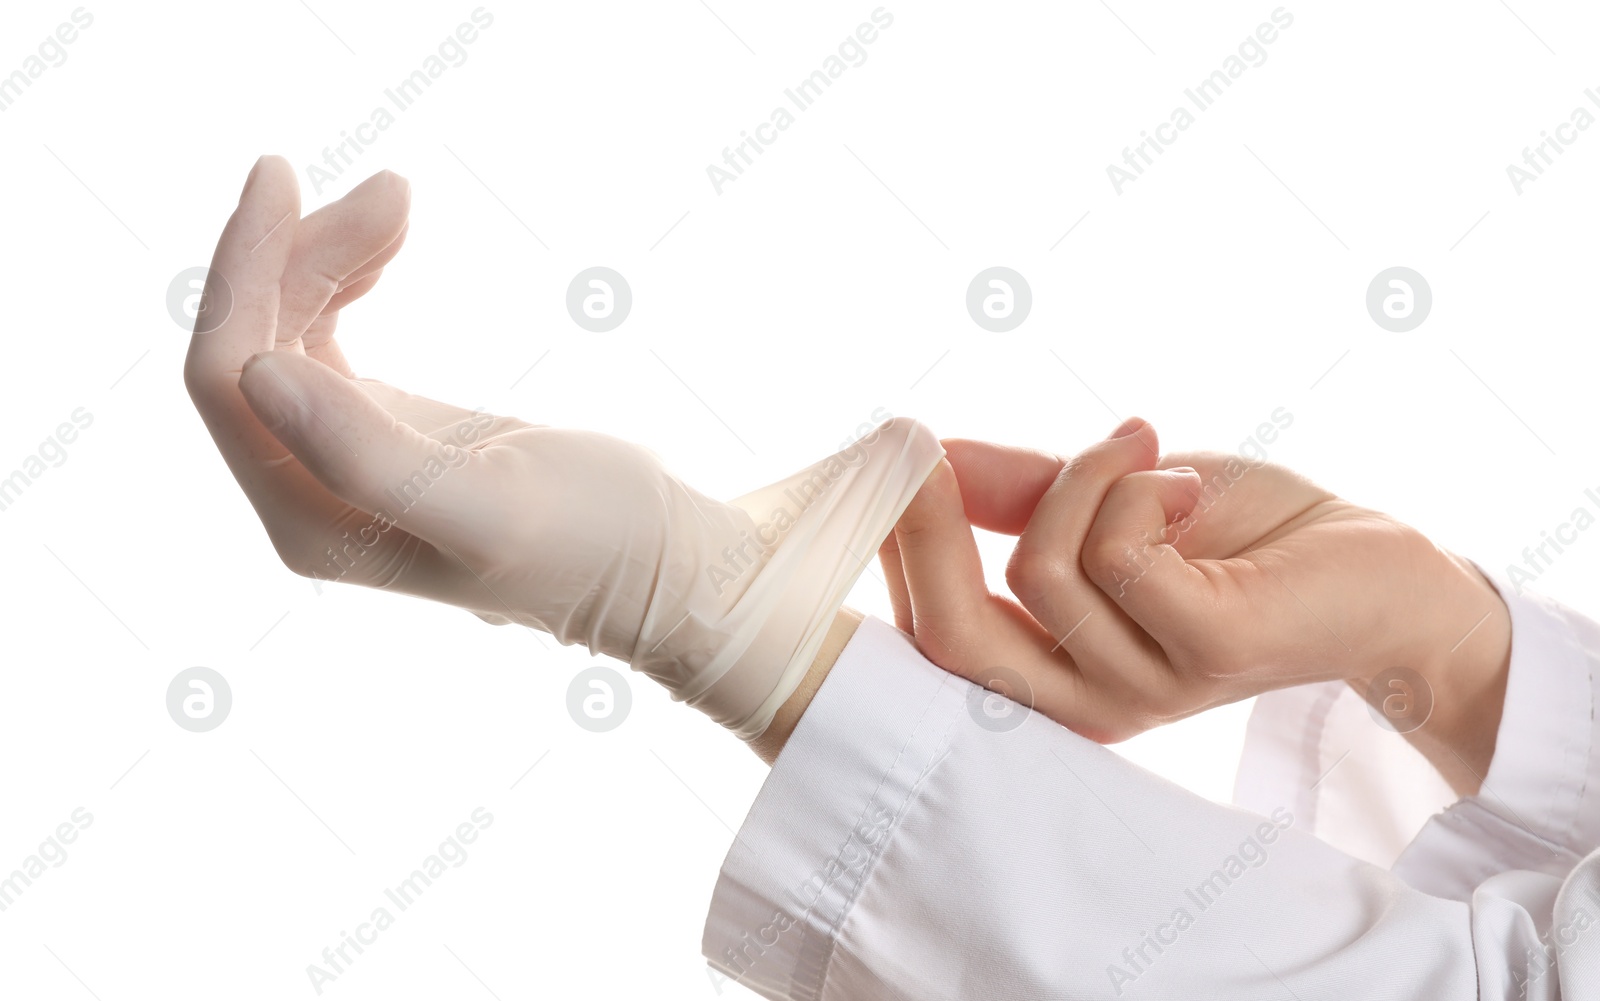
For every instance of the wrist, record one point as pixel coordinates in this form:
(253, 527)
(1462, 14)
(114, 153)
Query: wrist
(1470, 677)
(1454, 631)
(772, 739)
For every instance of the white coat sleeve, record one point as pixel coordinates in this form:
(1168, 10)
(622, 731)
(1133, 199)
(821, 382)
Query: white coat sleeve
(1539, 806)
(909, 844)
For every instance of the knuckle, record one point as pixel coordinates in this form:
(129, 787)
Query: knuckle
(1101, 465)
(950, 643)
(1033, 572)
(1168, 702)
(939, 643)
(1107, 559)
(1111, 731)
(1088, 466)
(915, 526)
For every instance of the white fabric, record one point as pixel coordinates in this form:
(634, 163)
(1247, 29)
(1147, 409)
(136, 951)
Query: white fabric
(902, 849)
(1357, 785)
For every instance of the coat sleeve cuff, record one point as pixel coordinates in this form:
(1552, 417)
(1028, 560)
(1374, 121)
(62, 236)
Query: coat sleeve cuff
(825, 814)
(1539, 806)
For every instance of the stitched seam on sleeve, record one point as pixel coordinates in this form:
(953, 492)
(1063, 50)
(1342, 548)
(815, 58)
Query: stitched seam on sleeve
(811, 987)
(938, 755)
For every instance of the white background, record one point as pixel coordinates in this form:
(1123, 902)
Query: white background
(769, 322)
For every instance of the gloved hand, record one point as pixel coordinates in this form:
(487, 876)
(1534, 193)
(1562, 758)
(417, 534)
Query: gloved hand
(578, 534)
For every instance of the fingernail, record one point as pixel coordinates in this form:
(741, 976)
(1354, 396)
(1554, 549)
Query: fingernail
(1184, 470)
(1127, 427)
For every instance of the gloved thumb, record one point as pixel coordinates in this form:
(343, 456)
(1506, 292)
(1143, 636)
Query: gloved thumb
(360, 452)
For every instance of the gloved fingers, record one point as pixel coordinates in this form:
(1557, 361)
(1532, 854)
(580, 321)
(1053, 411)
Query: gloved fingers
(437, 419)
(240, 304)
(239, 315)
(1001, 484)
(319, 343)
(334, 245)
(348, 293)
(364, 456)
(363, 278)
(318, 340)
(371, 551)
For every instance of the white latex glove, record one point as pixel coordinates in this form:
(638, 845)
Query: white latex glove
(578, 534)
